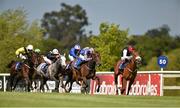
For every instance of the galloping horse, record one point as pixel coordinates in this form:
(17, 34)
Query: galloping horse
(35, 75)
(129, 73)
(27, 67)
(87, 71)
(54, 72)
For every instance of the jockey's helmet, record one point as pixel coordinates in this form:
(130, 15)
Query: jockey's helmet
(91, 50)
(37, 50)
(55, 51)
(131, 48)
(77, 47)
(29, 47)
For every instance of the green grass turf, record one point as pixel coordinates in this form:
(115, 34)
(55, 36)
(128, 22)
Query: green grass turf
(23, 99)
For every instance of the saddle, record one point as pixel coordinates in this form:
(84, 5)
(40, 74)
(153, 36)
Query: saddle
(44, 68)
(122, 65)
(18, 66)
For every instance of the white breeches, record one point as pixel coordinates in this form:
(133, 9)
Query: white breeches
(48, 61)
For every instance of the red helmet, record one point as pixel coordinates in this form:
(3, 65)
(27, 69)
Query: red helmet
(131, 48)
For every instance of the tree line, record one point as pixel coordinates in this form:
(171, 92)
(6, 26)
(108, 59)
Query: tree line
(66, 27)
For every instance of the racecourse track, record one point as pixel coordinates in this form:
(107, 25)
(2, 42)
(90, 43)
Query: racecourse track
(24, 99)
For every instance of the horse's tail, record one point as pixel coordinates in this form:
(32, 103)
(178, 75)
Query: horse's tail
(10, 64)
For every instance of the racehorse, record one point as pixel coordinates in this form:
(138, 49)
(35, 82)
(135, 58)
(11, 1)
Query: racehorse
(54, 72)
(86, 71)
(129, 73)
(35, 75)
(23, 73)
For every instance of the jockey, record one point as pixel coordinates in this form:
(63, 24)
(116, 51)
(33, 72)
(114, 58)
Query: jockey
(83, 57)
(126, 55)
(23, 51)
(74, 52)
(51, 57)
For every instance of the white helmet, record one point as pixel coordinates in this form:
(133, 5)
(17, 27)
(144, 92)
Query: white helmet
(91, 50)
(86, 48)
(77, 47)
(29, 47)
(55, 51)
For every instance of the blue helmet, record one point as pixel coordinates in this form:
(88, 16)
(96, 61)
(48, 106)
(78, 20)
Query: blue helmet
(77, 47)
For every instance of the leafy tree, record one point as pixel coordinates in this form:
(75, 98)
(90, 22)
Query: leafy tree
(66, 25)
(109, 43)
(155, 42)
(173, 61)
(158, 32)
(12, 22)
(15, 32)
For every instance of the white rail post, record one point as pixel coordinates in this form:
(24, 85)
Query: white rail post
(4, 83)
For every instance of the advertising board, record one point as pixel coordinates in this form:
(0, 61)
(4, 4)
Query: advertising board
(144, 84)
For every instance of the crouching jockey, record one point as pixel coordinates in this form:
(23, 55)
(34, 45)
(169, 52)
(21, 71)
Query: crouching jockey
(51, 57)
(73, 54)
(126, 56)
(22, 54)
(83, 57)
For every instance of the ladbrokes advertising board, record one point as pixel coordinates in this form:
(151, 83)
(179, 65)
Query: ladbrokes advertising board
(144, 84)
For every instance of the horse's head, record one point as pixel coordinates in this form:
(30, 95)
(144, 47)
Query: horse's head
(97, 58)
(61, 60)
(137, 59)
(40, 59)
(33, 59)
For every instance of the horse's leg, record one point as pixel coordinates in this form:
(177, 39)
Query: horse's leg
(98, 82)
(70, 86)
(16, 80)
(34, 80)
(84, 84)
(47, 86)
(53, 78)
(116, 82)
(132, 78)
(124, 82)
(129, 87)
(75, 76)
(69, 80)
(42, 84)
(27, 84)
(57, 86)
(61, 79)
(11, 79)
